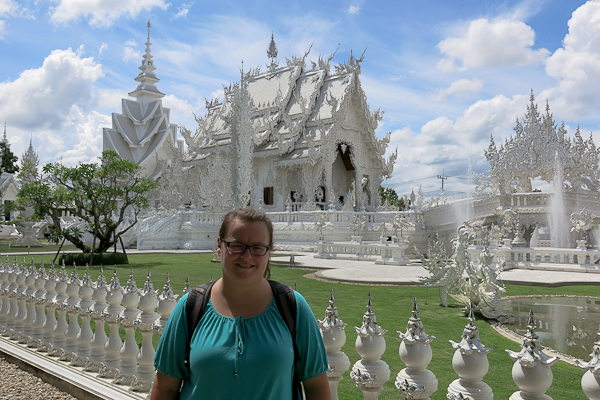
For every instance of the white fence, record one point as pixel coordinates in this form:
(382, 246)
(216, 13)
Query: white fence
(39, 310)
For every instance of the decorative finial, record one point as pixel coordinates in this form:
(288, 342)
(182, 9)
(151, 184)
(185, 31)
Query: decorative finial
(272, 50)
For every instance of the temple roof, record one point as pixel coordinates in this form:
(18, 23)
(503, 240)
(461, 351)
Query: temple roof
(287, 104)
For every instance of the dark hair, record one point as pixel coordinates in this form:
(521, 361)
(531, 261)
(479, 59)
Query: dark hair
(248, 215)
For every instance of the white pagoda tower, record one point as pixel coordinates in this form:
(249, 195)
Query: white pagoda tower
(142, 132)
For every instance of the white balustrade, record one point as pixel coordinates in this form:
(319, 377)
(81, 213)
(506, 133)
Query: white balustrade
(85, 335)
(532, 368)
(129, 350)
(370, 372)
(12, 299)
(97, 310)
(30, 316)
(50, 302)
(334, 338)
(112, 360)
(70, 304)
(38, 300)
(19, 295)
(60, 330)
(590, 382)
(148, 302)
(471, 364)
(416, 381)
(30, 300)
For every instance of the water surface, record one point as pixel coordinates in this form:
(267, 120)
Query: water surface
(566, 324)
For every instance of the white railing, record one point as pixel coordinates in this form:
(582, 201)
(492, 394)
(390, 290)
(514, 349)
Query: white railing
(39, 310)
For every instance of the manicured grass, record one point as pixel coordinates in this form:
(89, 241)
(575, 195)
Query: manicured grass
(392, 306)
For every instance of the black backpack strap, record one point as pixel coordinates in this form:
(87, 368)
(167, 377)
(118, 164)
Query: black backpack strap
(194, 309)
(286, 304)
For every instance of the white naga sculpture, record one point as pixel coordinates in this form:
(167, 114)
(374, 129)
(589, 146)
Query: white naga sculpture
(475, 283)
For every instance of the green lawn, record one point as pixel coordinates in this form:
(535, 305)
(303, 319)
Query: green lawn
(391, 304)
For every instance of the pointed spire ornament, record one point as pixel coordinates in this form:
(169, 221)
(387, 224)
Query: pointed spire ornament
(532, 369)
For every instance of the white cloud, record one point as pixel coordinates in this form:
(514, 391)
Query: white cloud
(446, 145)
(488, 44)
(461, 89)
(88, 128)
(130, 53)
(42, 98)
(353, 10)
(183, 10)
(101, 13)
(103, 47)
(576, 65)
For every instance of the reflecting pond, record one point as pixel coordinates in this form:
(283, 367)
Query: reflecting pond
(566, 324)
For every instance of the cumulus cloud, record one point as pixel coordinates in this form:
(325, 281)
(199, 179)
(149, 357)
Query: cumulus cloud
(130, 52)
(444, 144)
(43, 97)
(88, 129)
(576, 65)
(489, 44)
(103, 47)
(461, 89)
(353, 10)
(101, 13)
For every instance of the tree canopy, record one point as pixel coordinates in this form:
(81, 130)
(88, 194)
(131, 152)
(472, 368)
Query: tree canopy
(8, 162)
(108, 196)
(389, 195)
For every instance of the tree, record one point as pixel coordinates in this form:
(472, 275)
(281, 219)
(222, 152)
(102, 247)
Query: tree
(8, 162)
(389, 195)
(104, 195)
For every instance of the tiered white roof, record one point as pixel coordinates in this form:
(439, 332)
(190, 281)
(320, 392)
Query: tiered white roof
(294, 109)
(142, 129)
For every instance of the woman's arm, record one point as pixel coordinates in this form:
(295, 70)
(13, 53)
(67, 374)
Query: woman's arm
(165, 387)
(317, 388)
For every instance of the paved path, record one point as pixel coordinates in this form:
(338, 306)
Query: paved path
(369, 272)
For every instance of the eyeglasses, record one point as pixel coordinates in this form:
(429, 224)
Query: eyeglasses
(239, 248)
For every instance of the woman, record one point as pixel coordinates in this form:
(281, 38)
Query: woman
(241, 348)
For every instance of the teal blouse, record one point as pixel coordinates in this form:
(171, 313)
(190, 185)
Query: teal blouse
(241, 358)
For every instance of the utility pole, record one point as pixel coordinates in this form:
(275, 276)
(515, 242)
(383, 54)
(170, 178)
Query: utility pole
(443, 177)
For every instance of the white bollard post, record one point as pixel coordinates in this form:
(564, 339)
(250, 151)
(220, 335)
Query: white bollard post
(112, 361)
(590, 382)
(70, 304)
(5, 304)
(97, 310)
(21, 304)
(13, 305)
(85, 334)
(166, 304)
(40, 315)
(50, 301)
(129, 350)
(60, 330)
(334, 338)
(532, 368)
(370, 372)
(30, 304)
(146, 372)
(471, 364)
(416, 381)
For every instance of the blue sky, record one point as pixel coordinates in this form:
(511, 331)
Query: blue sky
(447, 73)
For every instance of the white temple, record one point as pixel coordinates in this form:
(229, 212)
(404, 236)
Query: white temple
(143, 131)
(288, 134)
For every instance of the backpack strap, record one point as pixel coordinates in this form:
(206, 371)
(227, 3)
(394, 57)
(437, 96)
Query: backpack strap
(194, 309)
(286, 304)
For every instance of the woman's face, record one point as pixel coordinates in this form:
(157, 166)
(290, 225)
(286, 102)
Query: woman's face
(245, 267)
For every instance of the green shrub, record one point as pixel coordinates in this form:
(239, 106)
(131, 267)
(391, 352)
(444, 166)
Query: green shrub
(99, 258)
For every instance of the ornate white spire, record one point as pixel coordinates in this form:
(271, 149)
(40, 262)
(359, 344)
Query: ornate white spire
(4, 138)
(146, 90)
